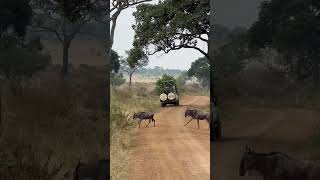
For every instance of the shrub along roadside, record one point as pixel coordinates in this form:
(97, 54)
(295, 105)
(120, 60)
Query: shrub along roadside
(124, 102)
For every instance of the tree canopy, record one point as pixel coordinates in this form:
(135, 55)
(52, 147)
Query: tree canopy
(18, 62)
(117, 6)
(115, 61)
(164, 77)
(172, 25)
(18, 57)
(136, 59)
(64, 19)
(15, 14)
(201, 70)
(292, 28)
(287, 25)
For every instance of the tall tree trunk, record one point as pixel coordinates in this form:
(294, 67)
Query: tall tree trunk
(65, 58)
(210, 53)
(106, 97)
(130, 78)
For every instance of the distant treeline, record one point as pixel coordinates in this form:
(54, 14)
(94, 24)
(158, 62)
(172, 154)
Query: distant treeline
(159, 71)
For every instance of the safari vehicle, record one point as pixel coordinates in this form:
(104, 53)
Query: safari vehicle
(169, 93)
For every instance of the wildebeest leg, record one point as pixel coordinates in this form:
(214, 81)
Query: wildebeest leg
(148, 123)
(188, 122)
(198, 124)
(139, 122)
(154, 122)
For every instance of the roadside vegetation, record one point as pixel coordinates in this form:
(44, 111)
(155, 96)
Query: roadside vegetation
(51, 116)
(124, 102)
(54, 120)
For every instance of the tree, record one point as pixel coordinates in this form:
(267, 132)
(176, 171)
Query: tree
(228, 57)
(226, 62)
(115, 62)
(201, 70)
(19, 62)
(117, 6)
(117, 79)
(292, 28)
(182, 78)
(64, 19)
(18, 57)
(220, 35)
(16, 15)
(136, 59)
(172, 25)
(164, 77)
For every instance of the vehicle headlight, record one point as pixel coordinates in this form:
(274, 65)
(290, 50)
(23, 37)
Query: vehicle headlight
(171, 96)
(163, 97)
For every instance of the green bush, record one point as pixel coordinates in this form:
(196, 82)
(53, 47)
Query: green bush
(164, 77)
(117, 79)
(22, 59)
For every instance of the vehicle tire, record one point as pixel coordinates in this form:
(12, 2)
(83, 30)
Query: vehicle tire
(178, 103)
(163, 104)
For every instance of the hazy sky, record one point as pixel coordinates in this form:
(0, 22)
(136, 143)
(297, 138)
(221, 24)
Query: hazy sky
(227, 12)
(233, 13)
(180, 59)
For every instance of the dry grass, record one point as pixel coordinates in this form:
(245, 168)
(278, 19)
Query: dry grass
(65, 117)
(125, 102)
(194, 90)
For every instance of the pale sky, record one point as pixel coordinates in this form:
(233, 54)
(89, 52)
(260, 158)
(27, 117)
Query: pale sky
(179, 59)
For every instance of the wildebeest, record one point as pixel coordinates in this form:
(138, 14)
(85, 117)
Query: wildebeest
(190, 113)
(144, 115)
(198, 115)
(277, 166)
(95, 171)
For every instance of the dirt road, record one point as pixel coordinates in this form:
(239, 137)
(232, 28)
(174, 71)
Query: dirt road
(172, 151)
(273, 129)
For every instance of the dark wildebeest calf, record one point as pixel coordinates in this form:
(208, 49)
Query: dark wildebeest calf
(95, 171)
(145, 115)
(198, 115)
(277, 166)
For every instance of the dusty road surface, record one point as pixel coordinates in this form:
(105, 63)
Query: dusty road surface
(172, 151)
(264, 129)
